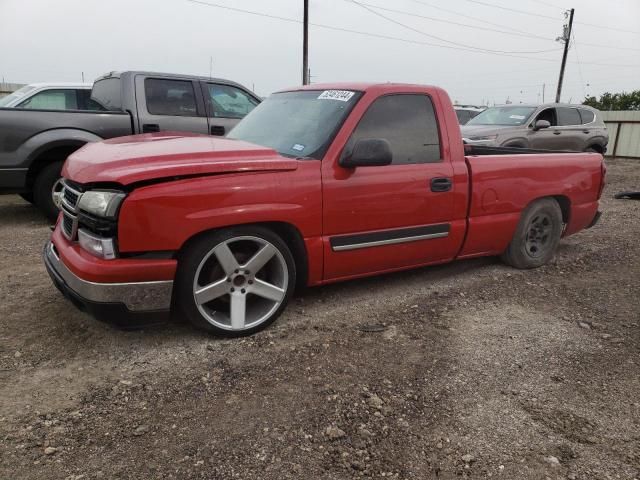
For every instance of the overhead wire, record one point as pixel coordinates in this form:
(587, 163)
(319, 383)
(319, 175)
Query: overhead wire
(515, 33)
(540, 15)
(408, 27)
(390, 37)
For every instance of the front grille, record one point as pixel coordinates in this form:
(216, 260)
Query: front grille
(68, 226)
(71, 197)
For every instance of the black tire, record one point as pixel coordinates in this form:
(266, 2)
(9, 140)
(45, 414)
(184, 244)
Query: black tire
(591, 150)
(196, 251)
(537, 236)
(28, 197)
(42, 189)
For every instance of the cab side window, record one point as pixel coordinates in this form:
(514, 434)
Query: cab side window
(549, 115)
(568, 116)
(59, 99)
(170, 97)
(226, 101)
(586, 115)
(408, 122)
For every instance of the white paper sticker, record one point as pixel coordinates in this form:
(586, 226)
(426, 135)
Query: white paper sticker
(298, 147)
(517, 117)
(341, 95)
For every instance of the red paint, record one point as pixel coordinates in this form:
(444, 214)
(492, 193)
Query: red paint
(136, 158)
(231, 183)
(93, 269)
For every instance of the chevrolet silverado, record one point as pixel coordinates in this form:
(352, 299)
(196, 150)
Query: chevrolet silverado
(317, 184)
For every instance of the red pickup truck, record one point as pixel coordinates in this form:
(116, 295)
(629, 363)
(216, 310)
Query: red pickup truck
(318, 184)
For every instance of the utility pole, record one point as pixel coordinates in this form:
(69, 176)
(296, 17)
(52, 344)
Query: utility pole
(543, 88)
(210, 67)
(305, 44)
(566, 37)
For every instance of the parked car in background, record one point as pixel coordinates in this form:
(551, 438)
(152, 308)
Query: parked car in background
(318, 184)
(36, 138)
(552, 126)
(467, 112)
(52, 96)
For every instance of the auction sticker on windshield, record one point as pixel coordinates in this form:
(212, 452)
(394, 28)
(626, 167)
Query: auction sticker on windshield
(341, 95)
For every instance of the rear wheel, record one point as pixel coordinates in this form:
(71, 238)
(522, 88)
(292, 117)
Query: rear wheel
(44, 189)
(236, 281)
(537, 236)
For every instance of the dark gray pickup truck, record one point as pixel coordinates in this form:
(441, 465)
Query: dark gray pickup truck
(35, 143)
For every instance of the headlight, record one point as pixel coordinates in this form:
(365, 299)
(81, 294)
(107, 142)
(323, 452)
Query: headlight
(102, 203)
(98, 246)
(483, 138)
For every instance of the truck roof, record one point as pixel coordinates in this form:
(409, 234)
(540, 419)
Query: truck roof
(169, 75)
(60, 84)
(358, 86)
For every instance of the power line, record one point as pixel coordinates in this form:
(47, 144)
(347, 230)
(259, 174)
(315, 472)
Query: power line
(367, 34)
(444, 39)
(389, 37)
(457, 23)
(524, 12)
(512, 9)
(548, 5)
(575, 49)
(458, 14)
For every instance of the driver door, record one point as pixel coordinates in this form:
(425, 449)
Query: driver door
(381, 218)
(546, 138)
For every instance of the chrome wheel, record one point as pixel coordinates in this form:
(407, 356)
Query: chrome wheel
(240, 283)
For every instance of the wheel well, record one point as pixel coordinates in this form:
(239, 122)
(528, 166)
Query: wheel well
(565, 207)
(54, 154)
(597, 147)
(289, 235)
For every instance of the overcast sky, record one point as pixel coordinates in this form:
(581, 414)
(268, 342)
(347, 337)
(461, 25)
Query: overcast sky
(45, 40)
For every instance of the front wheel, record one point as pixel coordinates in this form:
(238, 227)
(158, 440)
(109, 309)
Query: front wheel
(537, 236)
(46, 188)
(235, 281)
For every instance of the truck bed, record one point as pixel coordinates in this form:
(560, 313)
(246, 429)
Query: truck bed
(502, 185)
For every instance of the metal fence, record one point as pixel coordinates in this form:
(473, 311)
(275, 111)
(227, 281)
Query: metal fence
(624, 133)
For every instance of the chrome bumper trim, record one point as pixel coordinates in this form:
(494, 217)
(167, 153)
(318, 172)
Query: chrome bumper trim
(136, 296)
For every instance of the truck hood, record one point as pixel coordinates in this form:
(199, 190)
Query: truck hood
(136, 158)
(480, 130)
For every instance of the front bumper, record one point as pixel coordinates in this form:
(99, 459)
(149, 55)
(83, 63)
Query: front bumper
(125, 304)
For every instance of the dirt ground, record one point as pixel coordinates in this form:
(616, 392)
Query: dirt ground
(471, 370)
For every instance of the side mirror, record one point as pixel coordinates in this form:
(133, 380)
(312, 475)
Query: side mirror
(368, 152)
(540, 124)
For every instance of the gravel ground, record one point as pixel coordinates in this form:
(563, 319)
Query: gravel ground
(471, 370)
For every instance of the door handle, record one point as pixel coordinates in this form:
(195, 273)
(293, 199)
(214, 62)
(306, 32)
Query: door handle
(441, 184)
(585, 131)
(150, 127)
(557, 132)
(218, 130)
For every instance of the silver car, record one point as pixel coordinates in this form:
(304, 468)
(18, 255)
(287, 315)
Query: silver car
(553, 126)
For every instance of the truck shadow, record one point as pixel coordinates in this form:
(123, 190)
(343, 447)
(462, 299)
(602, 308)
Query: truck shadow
(14, 211)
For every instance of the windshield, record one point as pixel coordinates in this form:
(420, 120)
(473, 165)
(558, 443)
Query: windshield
(9, 99)
(297, 124)
(502, 116)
